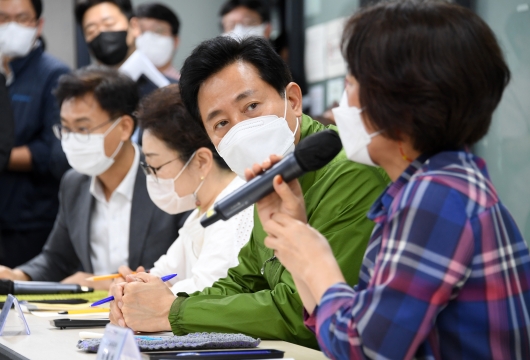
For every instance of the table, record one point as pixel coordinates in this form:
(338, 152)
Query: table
(48, 342)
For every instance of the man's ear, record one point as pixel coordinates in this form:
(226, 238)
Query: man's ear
(268, 30)
(40, 26)
(127, 125)
(176, 42)
(294, 97)
(134, 27)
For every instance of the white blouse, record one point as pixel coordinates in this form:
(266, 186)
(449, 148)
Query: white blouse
(200, 256)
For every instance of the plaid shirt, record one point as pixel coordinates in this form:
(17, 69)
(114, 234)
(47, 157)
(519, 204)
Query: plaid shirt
(446, 274)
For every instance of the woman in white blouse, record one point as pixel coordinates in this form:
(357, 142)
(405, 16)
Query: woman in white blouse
(185, 172)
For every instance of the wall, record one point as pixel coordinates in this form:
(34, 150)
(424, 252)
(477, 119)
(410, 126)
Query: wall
(506, 148)
(323, 34)
(59, 30)
(198, 21)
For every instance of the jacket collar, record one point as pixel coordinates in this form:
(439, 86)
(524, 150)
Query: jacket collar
(382, 204)
(19, 64)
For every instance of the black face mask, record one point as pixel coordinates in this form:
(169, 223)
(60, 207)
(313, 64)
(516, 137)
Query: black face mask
(110, 47)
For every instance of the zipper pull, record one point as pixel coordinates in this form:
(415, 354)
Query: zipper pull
(266, 261)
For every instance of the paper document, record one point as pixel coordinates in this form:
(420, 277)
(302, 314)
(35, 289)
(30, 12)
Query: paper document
(138, 64)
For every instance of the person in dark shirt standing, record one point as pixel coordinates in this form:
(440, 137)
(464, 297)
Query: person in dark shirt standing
(28, 189)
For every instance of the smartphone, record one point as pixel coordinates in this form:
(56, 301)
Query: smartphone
(227, 354)
(79, 323)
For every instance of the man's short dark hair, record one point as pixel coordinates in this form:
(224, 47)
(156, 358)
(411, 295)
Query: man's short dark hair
(212, 56)
(115, 93)
(430, 70)
(159, 12)
(82, 7)
(37, 6)
(258, 6)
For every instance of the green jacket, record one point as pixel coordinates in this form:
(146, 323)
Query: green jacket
(258, 297)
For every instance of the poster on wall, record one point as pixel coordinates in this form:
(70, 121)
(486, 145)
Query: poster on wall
(315, 53)
(323, 56)
(335, 64)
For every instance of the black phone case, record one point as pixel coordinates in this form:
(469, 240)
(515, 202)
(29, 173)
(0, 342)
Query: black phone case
(79, 323)
(227, 354)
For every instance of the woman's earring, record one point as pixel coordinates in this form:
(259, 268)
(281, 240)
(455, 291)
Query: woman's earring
(403, 155)
(197, 201)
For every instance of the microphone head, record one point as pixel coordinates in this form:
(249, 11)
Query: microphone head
(6, 287)
(316, 150)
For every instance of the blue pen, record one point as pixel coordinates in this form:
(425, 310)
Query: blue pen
(110, 298)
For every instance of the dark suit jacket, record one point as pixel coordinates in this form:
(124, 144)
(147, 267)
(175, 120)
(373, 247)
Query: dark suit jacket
(67, 249)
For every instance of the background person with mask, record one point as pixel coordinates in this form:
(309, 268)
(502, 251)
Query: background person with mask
(241, 18)
(107, 31)
(185, 172)
(28, 189)
(159, 37)
(106, 218)
(110, 32)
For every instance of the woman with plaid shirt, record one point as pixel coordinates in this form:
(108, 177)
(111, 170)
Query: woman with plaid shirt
(446, 274)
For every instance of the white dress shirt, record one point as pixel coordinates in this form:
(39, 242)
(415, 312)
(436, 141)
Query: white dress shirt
(110, 222)
(200, 256)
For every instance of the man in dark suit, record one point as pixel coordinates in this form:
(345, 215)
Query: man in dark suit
(106, 218)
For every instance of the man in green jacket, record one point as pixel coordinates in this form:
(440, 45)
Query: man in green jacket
(239, 91)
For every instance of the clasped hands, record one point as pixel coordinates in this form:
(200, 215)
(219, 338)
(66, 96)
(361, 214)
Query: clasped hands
(141, 301)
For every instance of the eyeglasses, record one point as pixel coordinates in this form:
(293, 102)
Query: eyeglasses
(82, 134)
(149, 170)
(22, 19)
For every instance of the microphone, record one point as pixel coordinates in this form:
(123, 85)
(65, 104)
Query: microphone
(40, 287)
(310, 154)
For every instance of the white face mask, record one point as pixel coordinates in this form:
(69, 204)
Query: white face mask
(158, 48)
(16, 40)
(241, 31)
(254, 140)
(163, 193)
(353, 135)
(86, 152)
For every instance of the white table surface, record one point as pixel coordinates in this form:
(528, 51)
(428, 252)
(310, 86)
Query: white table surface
(48, 342)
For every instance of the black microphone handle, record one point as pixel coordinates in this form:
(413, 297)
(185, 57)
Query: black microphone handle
(254, 190)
